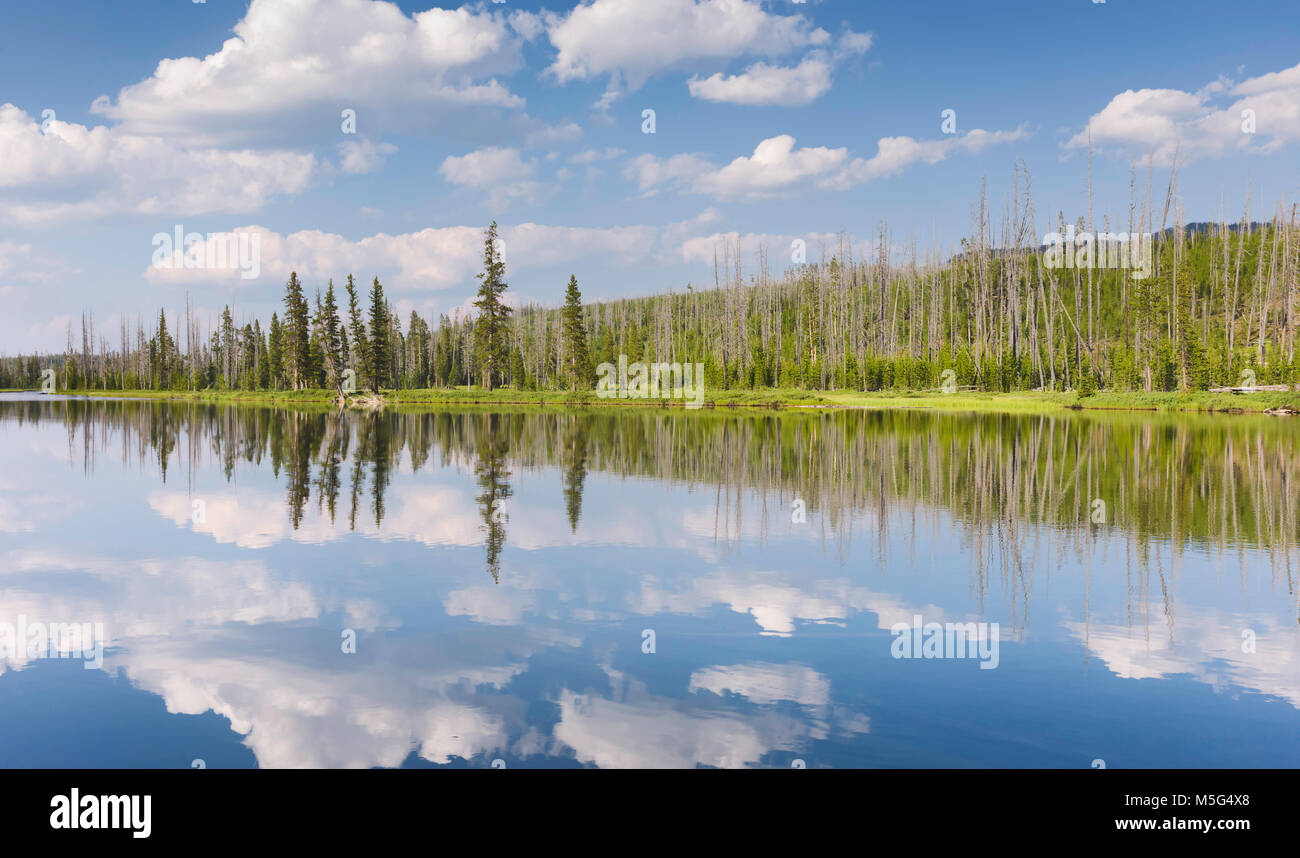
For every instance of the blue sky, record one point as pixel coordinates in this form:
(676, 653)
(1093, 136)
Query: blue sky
(773, 121)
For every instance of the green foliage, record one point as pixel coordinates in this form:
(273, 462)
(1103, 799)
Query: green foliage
(378, 356)
(490, 333)
(1221, 302)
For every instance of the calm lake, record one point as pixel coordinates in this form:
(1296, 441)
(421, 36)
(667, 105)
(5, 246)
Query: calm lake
(631, 587)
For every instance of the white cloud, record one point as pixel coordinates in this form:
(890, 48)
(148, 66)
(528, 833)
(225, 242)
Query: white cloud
(631, 40)
(775, 168)
(779, 169)
(363, 156)
(895, 153)
(291, 67)
(500, 171)
(433, 258)
(253, 121)
(787, 86)
(85, 172)
(652, 173)
(485, 167)
(1199, 125)
(765, 84)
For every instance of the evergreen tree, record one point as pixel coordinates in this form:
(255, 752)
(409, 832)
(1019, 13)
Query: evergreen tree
(327, 323)
(316, 349)
(163, 353)
(275, 353)
(263, 365)
(378, 358)
(576, 359)
(490, 334)
(357, 326)
(297, 341)
(518, 375)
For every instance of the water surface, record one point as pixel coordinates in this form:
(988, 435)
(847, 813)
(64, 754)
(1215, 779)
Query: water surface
(499, 571)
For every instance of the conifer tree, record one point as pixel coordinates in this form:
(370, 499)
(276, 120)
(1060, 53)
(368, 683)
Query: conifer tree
(357, 327)
(296, 334)
(331, 344)
(490, 334)
(577, 361)
(378, 357)
(275, 353)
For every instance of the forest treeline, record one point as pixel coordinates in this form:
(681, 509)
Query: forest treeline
(1221, 300)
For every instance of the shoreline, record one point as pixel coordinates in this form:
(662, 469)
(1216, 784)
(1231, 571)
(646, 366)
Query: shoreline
(1263, 402)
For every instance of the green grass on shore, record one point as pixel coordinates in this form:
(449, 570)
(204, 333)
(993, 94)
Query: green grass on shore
(1035, 400)
(1021, 401)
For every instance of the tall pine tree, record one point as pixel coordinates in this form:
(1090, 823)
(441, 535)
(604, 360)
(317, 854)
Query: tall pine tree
(357, 327)
(329, 327)
(490, 334)
(377, 348)
(275, 353)
(577, 362)
(297, 342)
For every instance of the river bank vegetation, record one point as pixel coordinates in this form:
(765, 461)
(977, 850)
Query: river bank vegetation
(1029, 401)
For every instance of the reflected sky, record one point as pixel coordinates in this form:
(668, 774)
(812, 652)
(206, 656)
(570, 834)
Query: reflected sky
(499, 569)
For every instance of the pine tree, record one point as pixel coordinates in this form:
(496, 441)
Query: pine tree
(331, 344)
(263, 364)
(357, 327)
(165, 348)
(316, 348)
(378, 357)
(576, 359)
(490, 334)
(275, 353)
(297, 343)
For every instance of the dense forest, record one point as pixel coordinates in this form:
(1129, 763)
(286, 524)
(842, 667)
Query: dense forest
(1221, 300)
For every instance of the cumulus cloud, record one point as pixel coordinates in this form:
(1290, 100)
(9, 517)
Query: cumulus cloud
(629, 41)
(786, 86)
(765, 84)
(432, 258)
(502, 172)
(1212, 122)
(257, 119)
(363, 156)
(652, 173)
(893, 154)
(292, 67)
(96, 172)
(778, 168)
(775, 168)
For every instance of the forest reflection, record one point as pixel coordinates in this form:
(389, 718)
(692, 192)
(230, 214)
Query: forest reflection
(1156, 480)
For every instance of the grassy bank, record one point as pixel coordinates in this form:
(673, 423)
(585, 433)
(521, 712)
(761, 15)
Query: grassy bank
(1033, 400)
(1023, 401)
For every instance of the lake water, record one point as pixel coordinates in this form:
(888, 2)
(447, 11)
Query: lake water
(622, 588)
